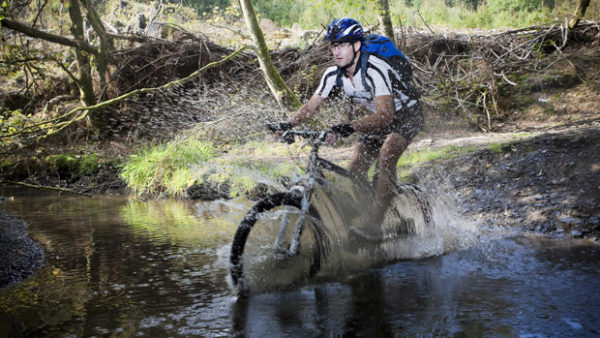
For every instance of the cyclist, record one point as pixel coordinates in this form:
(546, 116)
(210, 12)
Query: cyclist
(391, 114)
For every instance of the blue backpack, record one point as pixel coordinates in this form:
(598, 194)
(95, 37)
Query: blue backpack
(384, 48)
(381, 46)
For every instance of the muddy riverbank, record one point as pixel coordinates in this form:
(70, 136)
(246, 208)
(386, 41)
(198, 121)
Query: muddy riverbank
(545, 183)
(20, 256)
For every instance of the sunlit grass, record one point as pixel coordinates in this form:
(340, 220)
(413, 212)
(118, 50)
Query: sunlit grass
(415, 158)
(166, 168)
(170, 169)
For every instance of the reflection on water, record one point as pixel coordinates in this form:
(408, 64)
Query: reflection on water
(118, 265)
(158, 268)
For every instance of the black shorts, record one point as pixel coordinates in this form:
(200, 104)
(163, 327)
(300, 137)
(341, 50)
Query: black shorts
(407, 122)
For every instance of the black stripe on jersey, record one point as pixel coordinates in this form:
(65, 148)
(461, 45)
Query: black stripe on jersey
(387, 83)
(372, 85)
(325, 79)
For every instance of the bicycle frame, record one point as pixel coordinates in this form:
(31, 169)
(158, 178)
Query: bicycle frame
(306, 184)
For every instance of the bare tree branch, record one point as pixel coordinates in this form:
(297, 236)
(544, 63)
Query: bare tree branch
(44, 187)
(38, 34)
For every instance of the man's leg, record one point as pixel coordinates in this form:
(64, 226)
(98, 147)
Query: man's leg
(363, 157)
(393, 147)
(365, 226)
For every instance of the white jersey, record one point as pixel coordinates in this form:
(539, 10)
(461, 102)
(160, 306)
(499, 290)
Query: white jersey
(378, 79)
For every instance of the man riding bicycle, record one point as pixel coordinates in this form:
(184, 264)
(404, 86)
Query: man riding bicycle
(388, 101)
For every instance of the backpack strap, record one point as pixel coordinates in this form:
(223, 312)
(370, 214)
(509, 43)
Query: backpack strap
(364, 60)
(338, 79)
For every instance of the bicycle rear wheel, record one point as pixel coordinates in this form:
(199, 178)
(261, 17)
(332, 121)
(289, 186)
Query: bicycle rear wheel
(256, 262)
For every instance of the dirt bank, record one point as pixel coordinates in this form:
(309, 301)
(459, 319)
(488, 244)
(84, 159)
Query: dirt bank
(20, 256)
(546, 183)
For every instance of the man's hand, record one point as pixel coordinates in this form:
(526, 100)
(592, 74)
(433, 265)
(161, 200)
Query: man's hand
(279, 129)
(344, 129)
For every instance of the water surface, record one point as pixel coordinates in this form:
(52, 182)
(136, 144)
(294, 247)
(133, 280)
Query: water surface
(119, 266)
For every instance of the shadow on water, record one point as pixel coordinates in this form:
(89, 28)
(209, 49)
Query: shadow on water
(517, 286)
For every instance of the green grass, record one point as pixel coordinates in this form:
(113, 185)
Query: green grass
(166, 168)
(170, 169)
(416, 158)
(412, 158)
(498, 147)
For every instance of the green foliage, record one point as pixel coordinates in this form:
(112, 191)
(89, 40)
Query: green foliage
(88, 164)
(316, 14)
(284, 12)
(62, 163)
(221, 16)
(456, 13)
(70, 164)
(11, 121)
(166, 168)
(4, 8)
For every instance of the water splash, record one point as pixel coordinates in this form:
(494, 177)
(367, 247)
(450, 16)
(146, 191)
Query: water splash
(418, 224)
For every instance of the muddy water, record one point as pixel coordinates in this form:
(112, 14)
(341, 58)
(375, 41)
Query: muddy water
(124, 267)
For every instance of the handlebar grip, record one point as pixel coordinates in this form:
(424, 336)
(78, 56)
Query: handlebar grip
(271, 126)
(278, 126)
(288, 138)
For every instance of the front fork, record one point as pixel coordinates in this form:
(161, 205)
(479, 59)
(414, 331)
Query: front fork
(304, 207)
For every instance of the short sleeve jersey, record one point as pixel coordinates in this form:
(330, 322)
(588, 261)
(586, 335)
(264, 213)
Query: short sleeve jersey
(377, 76)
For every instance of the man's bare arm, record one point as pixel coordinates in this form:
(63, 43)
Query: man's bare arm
(382, 118)
(305, 112)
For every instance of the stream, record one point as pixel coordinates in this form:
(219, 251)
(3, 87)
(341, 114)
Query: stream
(118, 266)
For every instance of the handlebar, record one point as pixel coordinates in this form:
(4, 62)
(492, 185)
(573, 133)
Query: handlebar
(314, 137)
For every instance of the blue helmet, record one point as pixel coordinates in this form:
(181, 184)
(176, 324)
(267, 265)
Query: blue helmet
(344, 30)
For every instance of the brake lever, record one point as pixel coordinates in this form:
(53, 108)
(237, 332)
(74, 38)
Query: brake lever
(287, 137)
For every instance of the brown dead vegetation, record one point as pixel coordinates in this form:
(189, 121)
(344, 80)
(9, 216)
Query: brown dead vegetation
(465, 70)
(469, 76)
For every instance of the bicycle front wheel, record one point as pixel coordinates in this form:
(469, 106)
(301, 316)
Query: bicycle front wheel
(262, 254)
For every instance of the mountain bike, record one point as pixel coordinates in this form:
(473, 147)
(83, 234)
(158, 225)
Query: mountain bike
(291, 238)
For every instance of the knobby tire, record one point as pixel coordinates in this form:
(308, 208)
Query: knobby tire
(248, 222)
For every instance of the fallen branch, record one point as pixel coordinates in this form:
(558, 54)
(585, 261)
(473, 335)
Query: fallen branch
(44, 187)
(83, 111)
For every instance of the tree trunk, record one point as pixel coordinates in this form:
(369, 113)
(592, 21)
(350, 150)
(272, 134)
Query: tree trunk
(582, 6)
(385, 21)
(86, 88)
(284, 96)
(105, 46)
